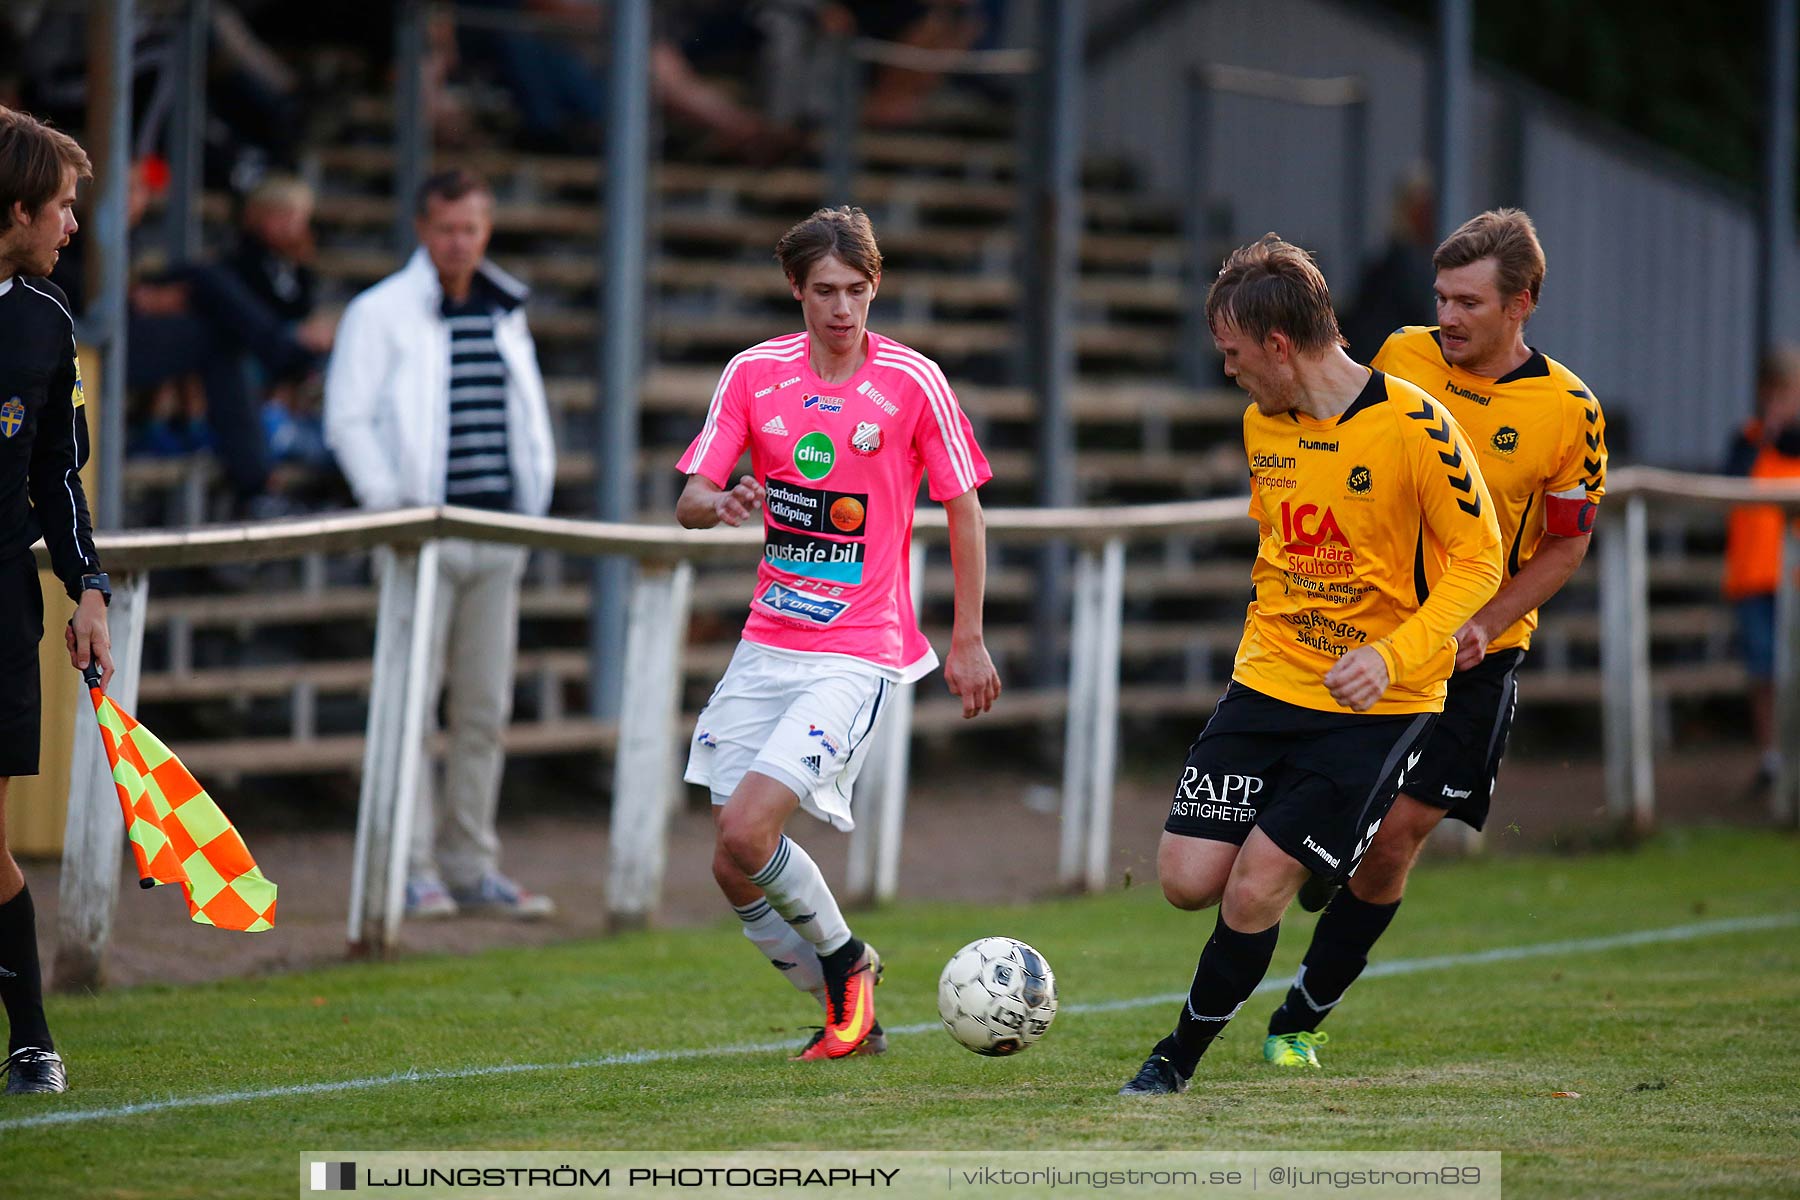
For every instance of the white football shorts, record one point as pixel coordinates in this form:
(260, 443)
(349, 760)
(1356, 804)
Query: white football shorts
(804, 721)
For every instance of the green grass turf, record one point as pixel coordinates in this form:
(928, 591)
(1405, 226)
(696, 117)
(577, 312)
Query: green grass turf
(1683, 1052)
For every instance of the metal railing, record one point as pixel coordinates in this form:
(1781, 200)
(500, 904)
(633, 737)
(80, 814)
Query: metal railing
(645, 783)
(1625, 633)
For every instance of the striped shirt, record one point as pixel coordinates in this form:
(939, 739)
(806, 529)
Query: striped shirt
(478, 469)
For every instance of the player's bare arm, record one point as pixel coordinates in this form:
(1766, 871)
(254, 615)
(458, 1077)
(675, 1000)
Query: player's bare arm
(704, 504)
(969, 671)
(1540, 578)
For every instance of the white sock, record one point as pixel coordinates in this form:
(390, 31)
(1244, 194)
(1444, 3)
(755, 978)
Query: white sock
(796, 888)
(782, 945)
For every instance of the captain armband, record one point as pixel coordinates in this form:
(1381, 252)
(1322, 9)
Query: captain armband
(1570, 513)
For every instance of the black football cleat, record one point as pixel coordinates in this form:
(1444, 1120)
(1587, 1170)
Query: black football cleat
(1157, 1077)
(1317, 892)
(34, 1069)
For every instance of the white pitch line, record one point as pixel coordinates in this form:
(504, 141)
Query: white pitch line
(1405, 966)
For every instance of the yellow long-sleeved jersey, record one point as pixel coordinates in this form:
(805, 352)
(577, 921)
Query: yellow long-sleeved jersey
(1356, 514)
(1539, 435)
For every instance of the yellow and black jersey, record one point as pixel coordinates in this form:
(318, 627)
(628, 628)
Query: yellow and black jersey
(1539, 434)
(1354, 513)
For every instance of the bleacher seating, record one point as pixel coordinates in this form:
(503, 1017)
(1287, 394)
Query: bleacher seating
(272, 679)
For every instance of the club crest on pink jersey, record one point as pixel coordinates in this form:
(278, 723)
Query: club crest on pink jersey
(866, 441)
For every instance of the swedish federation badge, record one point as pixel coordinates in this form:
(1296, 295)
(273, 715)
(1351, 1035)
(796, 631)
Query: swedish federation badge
(12, 416)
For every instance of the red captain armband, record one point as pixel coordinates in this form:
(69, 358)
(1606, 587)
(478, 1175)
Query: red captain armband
(1570, 513)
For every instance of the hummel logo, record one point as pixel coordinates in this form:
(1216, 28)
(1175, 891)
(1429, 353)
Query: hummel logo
(1412, 760)
(775, 426)
(1320, 851)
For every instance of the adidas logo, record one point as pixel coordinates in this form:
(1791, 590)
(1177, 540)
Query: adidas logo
(775, 426)
(811, 763)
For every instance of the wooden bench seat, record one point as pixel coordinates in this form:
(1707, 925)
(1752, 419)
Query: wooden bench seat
(1188, 473)
(1139, 641)
(723, 590)
(1095, 401)
(977, 156)
(703, 662)
(720, 337)
(764, 281)
(343, 753)
(934, 715)
(717, 338)
(372, 216)
(1095, 470)
(800, 188)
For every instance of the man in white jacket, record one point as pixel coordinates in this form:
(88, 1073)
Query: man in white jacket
(434, 396)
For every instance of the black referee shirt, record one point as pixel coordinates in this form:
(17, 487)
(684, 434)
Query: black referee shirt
(43, 431)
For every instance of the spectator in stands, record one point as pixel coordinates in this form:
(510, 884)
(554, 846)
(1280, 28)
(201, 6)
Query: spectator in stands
(551, 68)
(1395, 288)
(192, 331)
(1767, 447)
(556, 80)
(686, 38)
(898, 95)
(433, 396)
(796, 39)
(274, 252)
(273, 260)
(200, 320)
(253, 107)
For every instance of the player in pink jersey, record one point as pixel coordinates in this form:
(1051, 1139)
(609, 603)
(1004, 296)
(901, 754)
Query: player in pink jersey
(841, 425)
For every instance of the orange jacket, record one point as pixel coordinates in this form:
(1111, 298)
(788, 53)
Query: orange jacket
(1753, 536)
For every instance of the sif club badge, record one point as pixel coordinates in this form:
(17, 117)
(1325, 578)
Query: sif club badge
(12, 416)
(866, 441)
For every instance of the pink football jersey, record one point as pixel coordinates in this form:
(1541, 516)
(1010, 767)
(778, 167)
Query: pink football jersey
(842, 463)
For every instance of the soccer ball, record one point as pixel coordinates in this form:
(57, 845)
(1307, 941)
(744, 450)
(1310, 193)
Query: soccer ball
(997, 996)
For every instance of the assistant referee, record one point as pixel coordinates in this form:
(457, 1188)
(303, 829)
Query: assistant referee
(43, 444)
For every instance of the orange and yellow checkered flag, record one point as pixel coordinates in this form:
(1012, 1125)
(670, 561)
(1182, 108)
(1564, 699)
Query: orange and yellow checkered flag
(177, 832)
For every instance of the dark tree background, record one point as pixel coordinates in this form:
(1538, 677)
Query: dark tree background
(1687, 75)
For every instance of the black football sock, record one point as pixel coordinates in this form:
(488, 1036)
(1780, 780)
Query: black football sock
(1340, 947)
(21, 985)
(1231, 966)
(838, 963)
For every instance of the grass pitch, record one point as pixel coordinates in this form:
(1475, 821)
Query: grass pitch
(1681, 1046)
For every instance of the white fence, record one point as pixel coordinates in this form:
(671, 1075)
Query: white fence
(649, 737)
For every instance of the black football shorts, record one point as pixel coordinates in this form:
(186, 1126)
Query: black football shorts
(21, 629)
(1463, 753)
(1316, 783)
